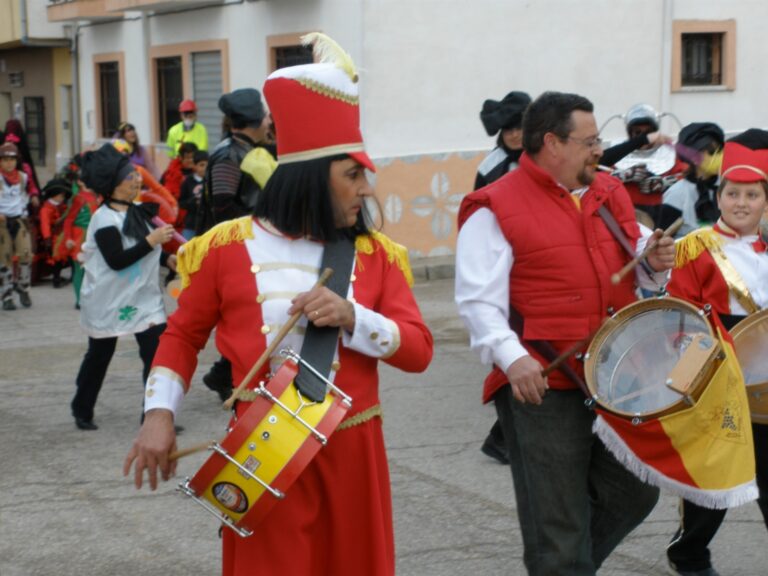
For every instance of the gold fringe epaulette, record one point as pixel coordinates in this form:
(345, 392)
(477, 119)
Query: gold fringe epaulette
(191, 255)
(396, 253)
(693, 244)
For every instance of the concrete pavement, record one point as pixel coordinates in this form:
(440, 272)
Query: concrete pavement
(65, 508)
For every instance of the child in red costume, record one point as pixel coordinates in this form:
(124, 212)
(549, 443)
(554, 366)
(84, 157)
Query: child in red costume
(52, 215)
(726, 267)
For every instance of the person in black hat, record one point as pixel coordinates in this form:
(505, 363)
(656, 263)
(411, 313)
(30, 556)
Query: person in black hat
(694, 196)
(56, 193)
(121, 292)
(505, 119)
(230, 191)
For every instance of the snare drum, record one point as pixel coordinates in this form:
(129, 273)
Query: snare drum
(652, 358)
(750, 338)
(266, 449)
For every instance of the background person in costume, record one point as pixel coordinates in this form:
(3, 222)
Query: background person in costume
(52, 215)
(140, 156)
(15, 239)
(726, 267)
(188, 130)
(337, 517)
(694, 196)
(237, 170)
(575, 502)
(83, 205)
(505, 119)
(191, 192)
(121, 292)
(650, 170)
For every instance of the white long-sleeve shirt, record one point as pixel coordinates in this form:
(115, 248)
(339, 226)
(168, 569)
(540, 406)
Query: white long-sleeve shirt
(484, 261)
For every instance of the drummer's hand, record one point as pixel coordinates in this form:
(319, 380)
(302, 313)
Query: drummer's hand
(528, 385)
(171, 262)
(324, 307)
(658, 138)
(662, 257)
(150, 450)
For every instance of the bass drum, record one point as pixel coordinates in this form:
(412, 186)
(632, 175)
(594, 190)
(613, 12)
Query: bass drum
(750, 338)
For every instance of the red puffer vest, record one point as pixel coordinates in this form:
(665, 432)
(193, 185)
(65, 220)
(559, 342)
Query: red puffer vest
(563, 257)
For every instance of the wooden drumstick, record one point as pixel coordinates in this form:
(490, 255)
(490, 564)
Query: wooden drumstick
(271, 348)
(629, 266)
(191, 450)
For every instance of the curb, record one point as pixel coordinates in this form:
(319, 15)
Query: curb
(433, 268)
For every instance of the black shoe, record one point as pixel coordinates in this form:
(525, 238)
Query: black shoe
(9, 305)
(219, 383)
(178, 429)
(24, 298)
(84, 424)
(492, 449)
(703, 572)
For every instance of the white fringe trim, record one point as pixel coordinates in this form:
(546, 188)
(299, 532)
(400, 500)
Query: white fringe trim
(707, 498)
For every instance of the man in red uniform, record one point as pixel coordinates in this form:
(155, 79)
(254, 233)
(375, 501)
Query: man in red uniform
(537, 242)
(247, 276)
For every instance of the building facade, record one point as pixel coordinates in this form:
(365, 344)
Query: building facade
(426, 66)
(36, 81)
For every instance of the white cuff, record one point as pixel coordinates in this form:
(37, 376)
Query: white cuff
(375, 335)
(508, 352)
(165, 389)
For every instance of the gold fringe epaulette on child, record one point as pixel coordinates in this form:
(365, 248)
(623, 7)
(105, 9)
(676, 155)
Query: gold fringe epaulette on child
(192, 254)
(693, 244)
(396, 253)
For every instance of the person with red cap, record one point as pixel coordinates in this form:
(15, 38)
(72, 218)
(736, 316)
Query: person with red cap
(247, 276)
(188, 130)
(725, 266)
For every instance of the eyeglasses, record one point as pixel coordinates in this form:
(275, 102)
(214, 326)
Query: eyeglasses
(594, 142)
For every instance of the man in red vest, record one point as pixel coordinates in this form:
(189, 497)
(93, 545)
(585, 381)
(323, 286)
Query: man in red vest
(535, 245)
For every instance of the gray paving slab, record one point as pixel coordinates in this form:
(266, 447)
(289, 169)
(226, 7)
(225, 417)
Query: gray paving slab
(65, 508)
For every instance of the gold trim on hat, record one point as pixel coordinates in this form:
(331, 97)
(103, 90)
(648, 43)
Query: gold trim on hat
(762, 174)
(328, 92)
(320, 153)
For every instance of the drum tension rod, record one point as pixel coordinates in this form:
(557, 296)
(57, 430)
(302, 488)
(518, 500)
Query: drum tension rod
(274, 491)
(186, 490)
(262, 390)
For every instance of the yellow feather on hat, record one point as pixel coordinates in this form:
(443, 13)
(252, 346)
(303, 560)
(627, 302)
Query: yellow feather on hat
(328, 51)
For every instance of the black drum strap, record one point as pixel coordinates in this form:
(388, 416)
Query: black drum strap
(615, 229)
(320, 343)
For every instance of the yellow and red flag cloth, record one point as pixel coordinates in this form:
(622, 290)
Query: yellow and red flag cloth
(704, 453)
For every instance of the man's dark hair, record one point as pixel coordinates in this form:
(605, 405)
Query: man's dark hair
(187, 148)
(551, 112)
(240, 124)
(297, 201)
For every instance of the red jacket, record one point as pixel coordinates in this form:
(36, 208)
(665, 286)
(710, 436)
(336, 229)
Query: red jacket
(563, 257)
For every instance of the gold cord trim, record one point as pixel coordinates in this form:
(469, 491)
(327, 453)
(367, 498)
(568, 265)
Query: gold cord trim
(733, 279)
(692, 245)
(328, 92)
(271, 266)
(362, 417)
(324, 152)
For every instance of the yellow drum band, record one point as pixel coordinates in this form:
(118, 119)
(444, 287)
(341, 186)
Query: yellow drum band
(267, 450)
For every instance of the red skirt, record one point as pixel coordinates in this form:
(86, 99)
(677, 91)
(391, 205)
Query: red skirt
(335, 519)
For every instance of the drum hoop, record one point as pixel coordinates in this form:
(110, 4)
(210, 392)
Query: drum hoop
(630, 311)
(747, 323)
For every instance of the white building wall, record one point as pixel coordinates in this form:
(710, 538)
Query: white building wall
(427, 65)
(37, 21)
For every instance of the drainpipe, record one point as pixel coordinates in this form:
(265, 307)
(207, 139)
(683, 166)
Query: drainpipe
(74, 113)
(666, 56)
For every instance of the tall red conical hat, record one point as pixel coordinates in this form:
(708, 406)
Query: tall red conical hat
(315, 107)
